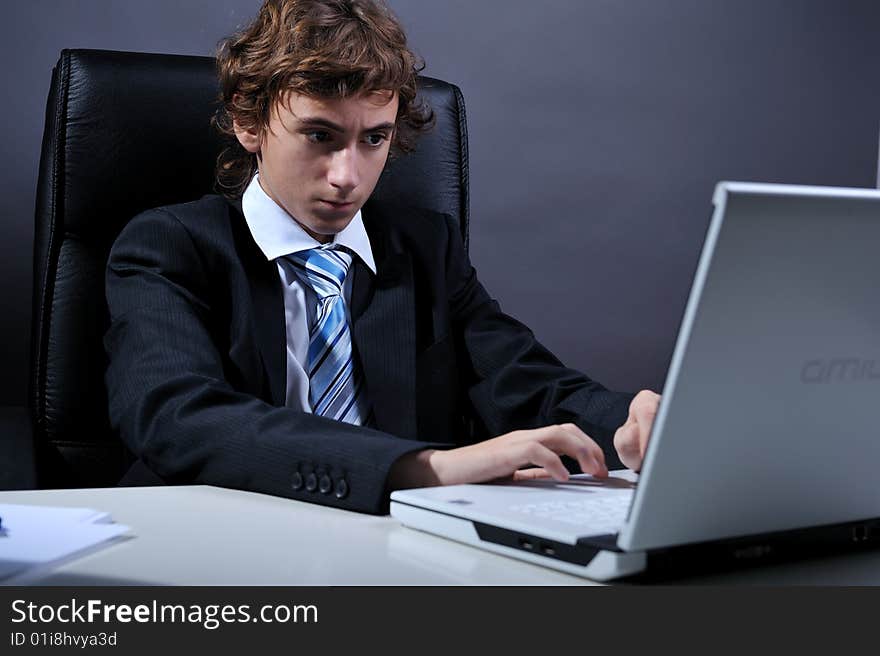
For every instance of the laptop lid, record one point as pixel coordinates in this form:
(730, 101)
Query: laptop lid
(769, 414)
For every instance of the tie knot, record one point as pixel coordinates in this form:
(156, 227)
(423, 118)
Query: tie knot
(323, 269)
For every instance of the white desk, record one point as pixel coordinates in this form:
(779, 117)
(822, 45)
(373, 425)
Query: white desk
(203, 535)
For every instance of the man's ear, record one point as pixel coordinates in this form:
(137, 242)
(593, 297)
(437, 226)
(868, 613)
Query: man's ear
(249, 138)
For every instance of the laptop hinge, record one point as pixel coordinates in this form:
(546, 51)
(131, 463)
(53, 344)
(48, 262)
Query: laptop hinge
(607, 542)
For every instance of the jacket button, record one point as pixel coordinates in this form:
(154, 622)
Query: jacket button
(341, 488)
(297, 481)
(311, 482)
(325, 484)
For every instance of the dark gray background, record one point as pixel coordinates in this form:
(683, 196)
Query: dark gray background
(598, 129)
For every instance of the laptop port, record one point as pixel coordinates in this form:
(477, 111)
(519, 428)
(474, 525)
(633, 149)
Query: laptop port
(860, 533)
(547, 549)
(528, 545)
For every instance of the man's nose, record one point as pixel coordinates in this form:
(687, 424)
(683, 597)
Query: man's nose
(343, 173)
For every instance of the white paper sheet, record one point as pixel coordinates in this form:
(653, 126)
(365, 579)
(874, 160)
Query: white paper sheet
(35, 536)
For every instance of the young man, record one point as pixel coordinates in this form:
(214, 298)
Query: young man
(295, 339)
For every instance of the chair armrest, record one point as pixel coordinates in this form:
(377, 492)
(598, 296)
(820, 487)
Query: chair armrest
(17, 471)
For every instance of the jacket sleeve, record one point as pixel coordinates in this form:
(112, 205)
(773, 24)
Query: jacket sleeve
(172, 406)
(518, 383)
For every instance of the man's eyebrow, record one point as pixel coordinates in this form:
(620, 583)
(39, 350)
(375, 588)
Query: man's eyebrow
(316, 121)
(381, 126)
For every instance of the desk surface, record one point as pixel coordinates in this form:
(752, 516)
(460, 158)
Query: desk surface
(203, 535)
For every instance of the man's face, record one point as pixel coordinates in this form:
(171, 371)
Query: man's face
(320, 158)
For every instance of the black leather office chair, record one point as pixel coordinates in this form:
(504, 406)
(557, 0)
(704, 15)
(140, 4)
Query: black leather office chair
(126, 132)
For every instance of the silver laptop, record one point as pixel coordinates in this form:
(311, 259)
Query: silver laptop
(766, 444)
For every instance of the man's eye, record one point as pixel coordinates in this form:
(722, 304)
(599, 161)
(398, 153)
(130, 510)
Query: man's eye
(318, 136)
(376, 139)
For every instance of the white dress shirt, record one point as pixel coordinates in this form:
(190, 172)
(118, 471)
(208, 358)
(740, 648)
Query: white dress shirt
(277, 235)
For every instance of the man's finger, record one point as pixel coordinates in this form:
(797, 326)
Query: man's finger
(540, 455)
(572, 441)
(530, 474)
(644, 413)
(594, 449)
(626, 441)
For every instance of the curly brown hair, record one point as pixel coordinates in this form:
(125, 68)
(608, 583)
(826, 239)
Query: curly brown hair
(319, 48)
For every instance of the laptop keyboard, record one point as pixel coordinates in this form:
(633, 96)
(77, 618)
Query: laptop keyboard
(604, 513)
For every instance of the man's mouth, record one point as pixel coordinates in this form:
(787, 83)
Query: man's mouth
(337, 205)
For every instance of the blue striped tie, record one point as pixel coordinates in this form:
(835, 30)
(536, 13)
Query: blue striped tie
(336, 389)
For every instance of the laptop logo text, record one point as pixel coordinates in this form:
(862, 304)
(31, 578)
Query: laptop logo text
(839, 370)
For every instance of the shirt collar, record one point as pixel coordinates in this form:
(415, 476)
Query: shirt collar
(277, 234)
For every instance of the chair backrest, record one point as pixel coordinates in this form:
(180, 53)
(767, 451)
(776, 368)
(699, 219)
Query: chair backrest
(126, 132)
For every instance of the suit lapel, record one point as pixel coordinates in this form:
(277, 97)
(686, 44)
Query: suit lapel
(361, 288)
(383, 318)
(268, 304)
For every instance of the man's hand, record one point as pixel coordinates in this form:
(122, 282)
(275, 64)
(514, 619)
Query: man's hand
(506, 455)
(501, 457)
(631, 439)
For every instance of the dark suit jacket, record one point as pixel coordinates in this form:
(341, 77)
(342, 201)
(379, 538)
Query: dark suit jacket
(197, 343)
